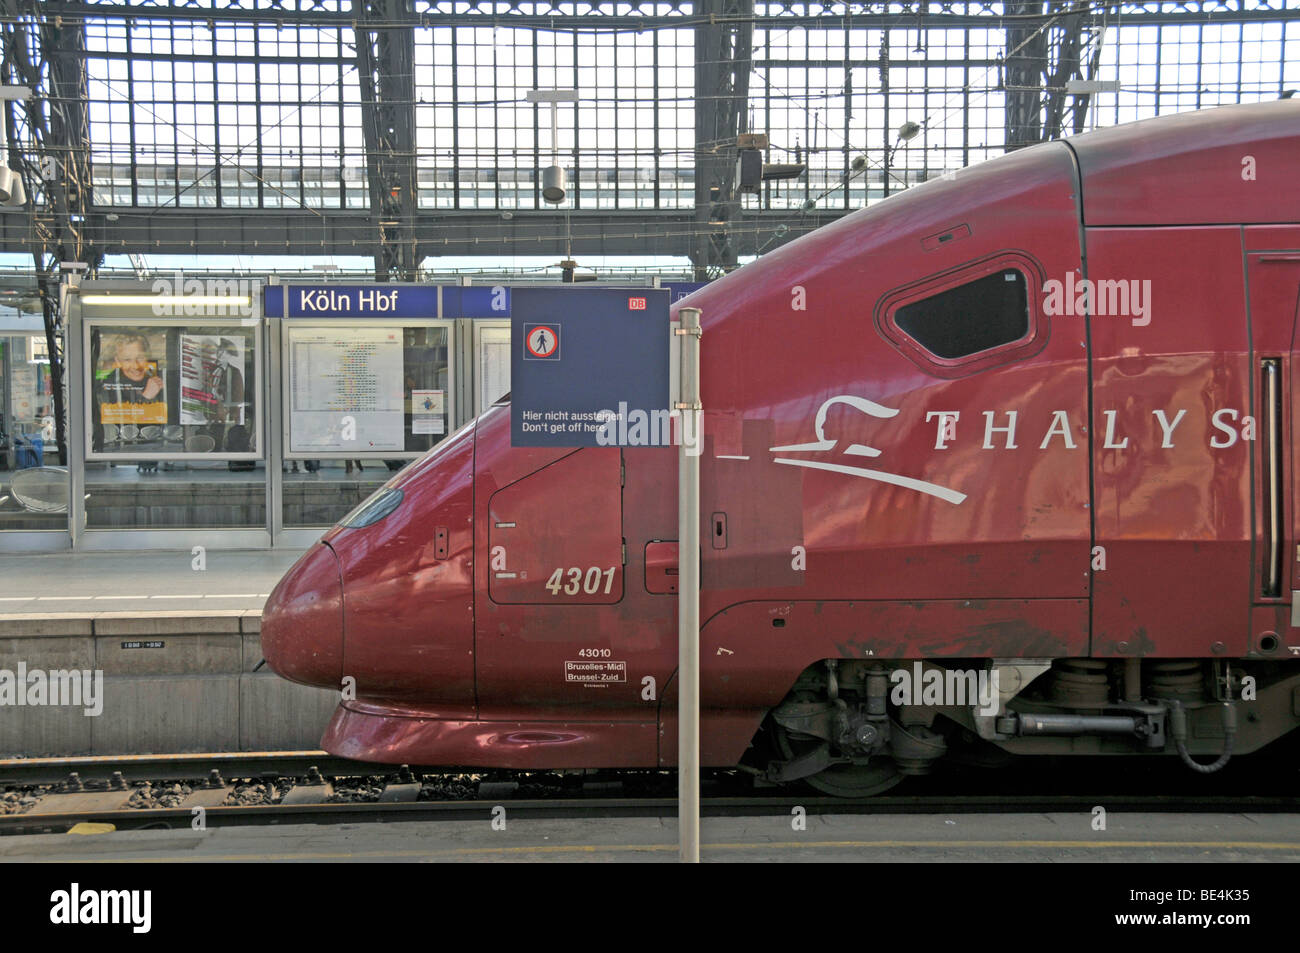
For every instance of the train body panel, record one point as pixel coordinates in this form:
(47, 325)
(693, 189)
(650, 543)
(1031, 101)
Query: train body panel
(515, 738)
(1032, 418)
(1224, 166)
(1171, 488)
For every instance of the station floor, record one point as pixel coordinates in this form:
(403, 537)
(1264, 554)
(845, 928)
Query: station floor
(954, 838)
(139, 582)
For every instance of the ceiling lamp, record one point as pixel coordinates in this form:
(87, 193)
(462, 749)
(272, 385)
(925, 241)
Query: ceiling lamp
(17, 194)
(553, 177)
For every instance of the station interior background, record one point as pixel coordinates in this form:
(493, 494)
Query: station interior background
(155, 148)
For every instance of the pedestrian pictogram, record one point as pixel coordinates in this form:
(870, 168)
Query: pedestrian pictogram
(542, 342)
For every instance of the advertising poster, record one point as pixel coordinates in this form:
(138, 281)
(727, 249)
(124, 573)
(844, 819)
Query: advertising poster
(427, 409)
(494, 365)
(129, 378)
(22, 394)
(212, 379)
(345, 389)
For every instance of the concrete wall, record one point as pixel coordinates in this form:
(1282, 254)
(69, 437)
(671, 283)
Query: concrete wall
(197, 692)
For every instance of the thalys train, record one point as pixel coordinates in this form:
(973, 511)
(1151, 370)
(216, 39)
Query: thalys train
(1003, 465)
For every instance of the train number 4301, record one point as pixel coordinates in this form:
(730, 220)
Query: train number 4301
(587, 581)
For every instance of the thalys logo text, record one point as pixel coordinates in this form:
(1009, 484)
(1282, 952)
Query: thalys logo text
(1002, 430)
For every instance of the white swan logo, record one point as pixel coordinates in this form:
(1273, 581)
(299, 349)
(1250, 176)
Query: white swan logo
(823, 444)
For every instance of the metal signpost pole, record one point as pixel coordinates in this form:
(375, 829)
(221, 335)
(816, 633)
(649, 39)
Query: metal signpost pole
(688, 597)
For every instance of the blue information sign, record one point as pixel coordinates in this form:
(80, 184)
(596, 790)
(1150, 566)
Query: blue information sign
(352, 301)
(362, 301)
(680, 289)
(589, 367)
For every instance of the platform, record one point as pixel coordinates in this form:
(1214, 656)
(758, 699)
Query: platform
(178, 651)
(953, 838)
(144, 582)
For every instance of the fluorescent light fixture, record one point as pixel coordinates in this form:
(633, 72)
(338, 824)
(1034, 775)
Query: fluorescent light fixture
(1078, 87)
(552, 95)
(8, 93)
(167, 299)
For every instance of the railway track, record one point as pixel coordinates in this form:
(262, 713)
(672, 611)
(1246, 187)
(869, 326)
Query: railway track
(593, 807)
(305, 786)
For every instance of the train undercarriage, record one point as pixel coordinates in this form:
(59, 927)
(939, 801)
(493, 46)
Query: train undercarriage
(854, 728)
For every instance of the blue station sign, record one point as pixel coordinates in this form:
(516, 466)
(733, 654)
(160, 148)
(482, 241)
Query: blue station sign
(386, 301)
(589, 367)
(359, 301)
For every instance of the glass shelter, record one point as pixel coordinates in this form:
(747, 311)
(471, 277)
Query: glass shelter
(234, 413)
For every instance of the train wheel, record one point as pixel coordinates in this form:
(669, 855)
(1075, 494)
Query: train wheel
(841, 780)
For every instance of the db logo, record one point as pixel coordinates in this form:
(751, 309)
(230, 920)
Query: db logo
(636, 304)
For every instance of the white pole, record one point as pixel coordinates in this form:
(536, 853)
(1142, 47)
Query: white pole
(688, 596)
(555, 133)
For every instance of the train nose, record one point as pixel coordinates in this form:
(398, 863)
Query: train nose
(302, 624)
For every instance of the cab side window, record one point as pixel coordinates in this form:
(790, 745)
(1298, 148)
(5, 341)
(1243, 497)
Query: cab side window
(966, 320)
(977, 316)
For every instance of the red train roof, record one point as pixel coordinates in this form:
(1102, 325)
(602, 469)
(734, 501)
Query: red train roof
(1233, 164)
(1229, 165)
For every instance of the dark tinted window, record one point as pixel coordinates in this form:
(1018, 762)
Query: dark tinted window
(970, 318)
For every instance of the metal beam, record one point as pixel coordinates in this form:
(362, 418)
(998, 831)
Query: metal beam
(1041, 57)
(386, 75)
(644, 232)
(651, 15)
(723, 46)
(49, 149)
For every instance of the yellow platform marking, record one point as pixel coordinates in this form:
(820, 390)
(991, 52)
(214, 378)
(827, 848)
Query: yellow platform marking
(89, 827)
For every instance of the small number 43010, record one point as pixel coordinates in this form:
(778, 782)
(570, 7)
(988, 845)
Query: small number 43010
(587, 581)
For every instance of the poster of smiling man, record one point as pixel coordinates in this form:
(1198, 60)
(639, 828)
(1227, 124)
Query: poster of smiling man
(130, 378)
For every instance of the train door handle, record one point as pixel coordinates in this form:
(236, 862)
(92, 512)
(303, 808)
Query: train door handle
(719, 531)
(1271, 431)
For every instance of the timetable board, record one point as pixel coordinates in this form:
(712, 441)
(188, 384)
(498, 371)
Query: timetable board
(345, 389)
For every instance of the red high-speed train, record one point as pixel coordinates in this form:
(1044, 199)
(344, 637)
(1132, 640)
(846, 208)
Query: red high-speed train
(1004, 464)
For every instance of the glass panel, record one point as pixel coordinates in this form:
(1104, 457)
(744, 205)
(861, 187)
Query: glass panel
(321, 492)
(426, 384)
(372, 389)
(172, 390)
(176, 494)
(30, 498)
(970, 318)
(368, 389)
(493, 366)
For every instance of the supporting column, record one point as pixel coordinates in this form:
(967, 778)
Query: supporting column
(688, 597)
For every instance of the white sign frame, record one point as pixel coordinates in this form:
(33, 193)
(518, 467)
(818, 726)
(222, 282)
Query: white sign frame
(152, 321)
(286, 394)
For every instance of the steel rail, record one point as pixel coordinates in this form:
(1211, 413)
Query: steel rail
(595, 807)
